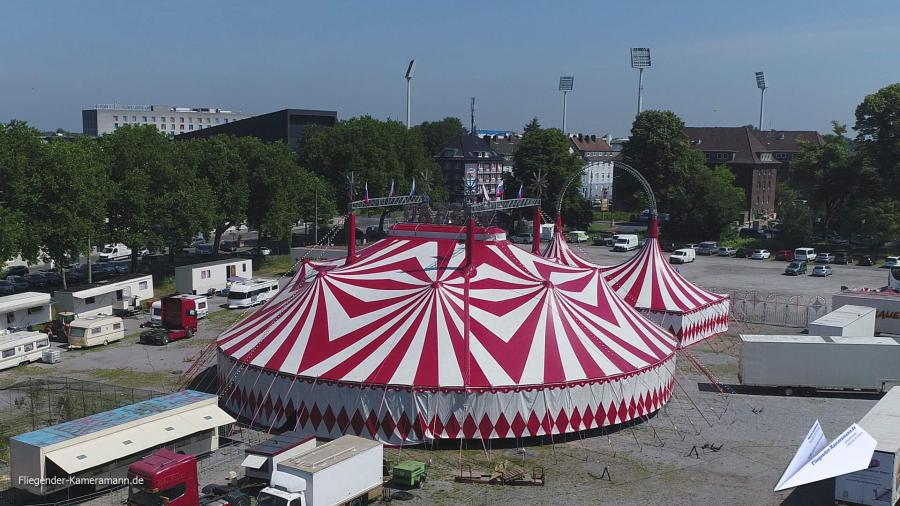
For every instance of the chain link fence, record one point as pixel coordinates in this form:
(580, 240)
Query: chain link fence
(775, 309)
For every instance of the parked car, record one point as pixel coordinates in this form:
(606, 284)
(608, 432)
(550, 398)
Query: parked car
(707, 248)
(760, 254)
(577, 236)
(785, 255)
(842, 257)
(16, 270)
(833, 238)
(113, 252)
(75, 275)
(689, 245)
(892, 262)
(19, 283)
(795, 268)
(824, 258)
(52, 278)
(103, 270)
(726, 251)
(682, 256)
(626, 242)
(604, 239)
(228, 246)
(6, 287)
(822, 271)
(36, 280)
(122, 266)
(865, 261)
(525, 238)
(805, 254)
(743, 253)
(203, 249)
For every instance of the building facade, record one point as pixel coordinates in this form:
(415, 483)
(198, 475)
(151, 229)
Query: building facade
(106, 118)
(505, 143)
(468, 164)
(754, 156)
(598, 156)
(286, 125)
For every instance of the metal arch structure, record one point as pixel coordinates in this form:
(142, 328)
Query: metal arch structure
(645, 185)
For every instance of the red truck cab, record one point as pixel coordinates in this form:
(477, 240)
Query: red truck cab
(179, 321)
(164, 478)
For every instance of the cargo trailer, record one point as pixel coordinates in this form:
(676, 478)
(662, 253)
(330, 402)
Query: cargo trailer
(800, 362)
(849, 320)
(886, 303)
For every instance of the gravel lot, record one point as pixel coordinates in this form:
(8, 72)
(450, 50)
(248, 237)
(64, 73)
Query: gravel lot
(743, 440)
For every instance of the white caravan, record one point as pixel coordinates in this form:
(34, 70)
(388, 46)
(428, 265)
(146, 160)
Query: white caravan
(21, 348)
(251, 292)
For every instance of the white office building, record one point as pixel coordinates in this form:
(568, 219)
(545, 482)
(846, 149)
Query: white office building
(106, 118)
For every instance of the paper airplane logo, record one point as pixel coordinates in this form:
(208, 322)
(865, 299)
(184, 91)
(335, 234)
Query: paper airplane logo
(817, 460)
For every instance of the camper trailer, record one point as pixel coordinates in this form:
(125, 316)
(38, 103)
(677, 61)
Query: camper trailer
(211, 277)
(21, 348)
(251, 292)
(22, 310)
(104, 298)
(95, 330)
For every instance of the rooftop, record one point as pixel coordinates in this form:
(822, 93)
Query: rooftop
(331, 453)
(470, 147)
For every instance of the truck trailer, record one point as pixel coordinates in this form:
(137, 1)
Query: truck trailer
(807, 363)
(346, 471)
(886, 302)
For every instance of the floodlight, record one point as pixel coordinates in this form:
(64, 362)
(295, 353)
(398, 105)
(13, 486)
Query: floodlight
(409, 75)
(761, 80)
(411, 69)
(566, 83)
(640, 57)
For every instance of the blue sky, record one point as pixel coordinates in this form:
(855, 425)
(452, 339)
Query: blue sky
(821, 59)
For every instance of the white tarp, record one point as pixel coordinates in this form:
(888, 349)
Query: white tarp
(849, 452)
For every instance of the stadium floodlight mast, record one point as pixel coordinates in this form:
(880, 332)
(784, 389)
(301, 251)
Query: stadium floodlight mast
(761, 84)
(409, 76)
(640, 59)
(566, 84)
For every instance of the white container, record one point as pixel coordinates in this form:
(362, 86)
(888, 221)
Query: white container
(816, 362)
(886, 304)
(199, 279)
(879, 485)
(851, 321)
(50, 356)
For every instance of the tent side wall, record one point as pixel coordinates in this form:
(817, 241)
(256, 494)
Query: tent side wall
(396, 416)
(694, 327)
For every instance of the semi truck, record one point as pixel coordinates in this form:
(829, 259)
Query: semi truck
(170, 478)
(346, 471)
(800, 363)
(179, 321)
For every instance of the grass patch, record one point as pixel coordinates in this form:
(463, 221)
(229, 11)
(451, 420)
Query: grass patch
(612, 215)
(227, 317)
(129, 378)
(275, 265)
(125, 341)
(165, 288)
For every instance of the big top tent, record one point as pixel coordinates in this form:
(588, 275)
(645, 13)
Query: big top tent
(444, 332)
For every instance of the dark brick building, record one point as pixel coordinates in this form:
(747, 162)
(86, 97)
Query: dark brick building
(754, 156)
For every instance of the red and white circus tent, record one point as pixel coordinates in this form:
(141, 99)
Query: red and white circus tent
(649, 283)
(558, 250)
(445, 332)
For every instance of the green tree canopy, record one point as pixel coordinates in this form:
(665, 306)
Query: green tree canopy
(437, 135)
(878, 134)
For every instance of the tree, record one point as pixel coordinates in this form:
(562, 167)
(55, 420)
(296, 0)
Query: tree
(701, 201)
(796, 218)
(878, 134)
(20, 155)
(545, 164)
(70, 193)
(437, 135)
(375, 153)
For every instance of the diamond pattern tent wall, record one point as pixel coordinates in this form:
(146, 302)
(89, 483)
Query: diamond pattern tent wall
(445, 332)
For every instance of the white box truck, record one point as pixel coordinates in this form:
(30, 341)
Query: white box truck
(885, 302)
(850, 321)
(344, 471)
(879, 485)
(799, 362)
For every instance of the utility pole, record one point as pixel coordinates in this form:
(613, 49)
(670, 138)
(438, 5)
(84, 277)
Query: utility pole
(316, 225)
(472, 116)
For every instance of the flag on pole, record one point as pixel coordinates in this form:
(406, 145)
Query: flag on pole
(391, 193)
(499, 192)
(484, 191)
(412, 191)
(366, 194)
(521, 194)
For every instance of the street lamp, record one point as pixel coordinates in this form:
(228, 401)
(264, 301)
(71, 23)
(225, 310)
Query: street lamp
(640, 59)
(761, 84)
(409, 76)
(566, 84)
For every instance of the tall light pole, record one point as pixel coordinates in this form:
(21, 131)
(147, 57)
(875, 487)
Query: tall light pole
(566, 84)
(640, 59)
(761, 84)
(409, 76)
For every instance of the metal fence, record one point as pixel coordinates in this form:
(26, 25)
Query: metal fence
(775, 309)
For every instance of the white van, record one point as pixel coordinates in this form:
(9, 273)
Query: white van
(251, 292)
(112, 252)
(626, 242)
(805, 254)
(22, 347)
(94, 330)
(682, 256)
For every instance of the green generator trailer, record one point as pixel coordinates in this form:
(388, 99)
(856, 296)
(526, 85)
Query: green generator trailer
(409, 473)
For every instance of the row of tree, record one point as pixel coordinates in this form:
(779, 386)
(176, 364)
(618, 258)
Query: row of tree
(137, 187)
(849, 186)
